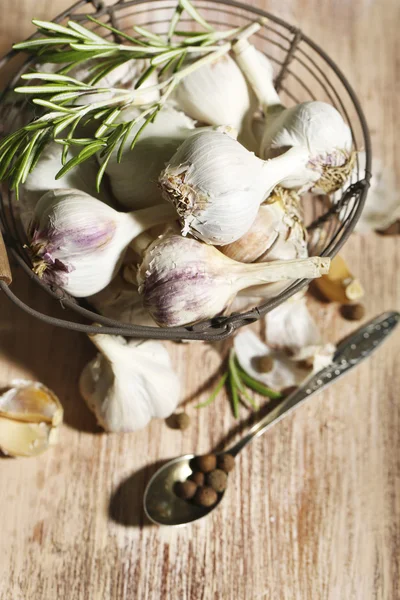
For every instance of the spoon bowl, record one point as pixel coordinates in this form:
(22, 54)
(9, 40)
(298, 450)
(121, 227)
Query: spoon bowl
(162, 506)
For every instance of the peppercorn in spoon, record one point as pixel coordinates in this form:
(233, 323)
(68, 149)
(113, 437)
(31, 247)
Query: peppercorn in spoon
(189, 487)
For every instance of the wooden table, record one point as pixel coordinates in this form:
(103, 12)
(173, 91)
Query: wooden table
(314, 510)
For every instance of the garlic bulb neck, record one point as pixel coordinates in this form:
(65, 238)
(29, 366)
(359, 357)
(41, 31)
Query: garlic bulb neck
(110, 345)
(217, 185)
(78, 243)
(258, 70)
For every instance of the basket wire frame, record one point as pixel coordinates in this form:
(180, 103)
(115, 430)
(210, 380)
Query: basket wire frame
(304, 72)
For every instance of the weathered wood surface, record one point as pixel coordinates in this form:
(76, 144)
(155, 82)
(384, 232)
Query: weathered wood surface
(314, 509)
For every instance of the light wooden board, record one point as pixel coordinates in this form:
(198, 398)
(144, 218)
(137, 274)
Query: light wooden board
(313, 512)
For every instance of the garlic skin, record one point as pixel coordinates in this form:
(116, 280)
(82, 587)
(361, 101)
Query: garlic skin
(134, 179)
(30, 415)
(314, 125)
(268, 237)
(382, 206)
(78, 243)
(293, 342)
(184, 281)
(121, 301)
(129, 383)
(43, 178)
(215, 94)
(217, 185)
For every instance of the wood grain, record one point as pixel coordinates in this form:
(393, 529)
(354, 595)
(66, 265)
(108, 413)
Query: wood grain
(314, 509)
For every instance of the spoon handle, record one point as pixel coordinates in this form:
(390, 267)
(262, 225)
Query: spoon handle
(349, 353)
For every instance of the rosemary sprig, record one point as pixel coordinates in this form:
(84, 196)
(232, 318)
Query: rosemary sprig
(237, 380)
(72, 46)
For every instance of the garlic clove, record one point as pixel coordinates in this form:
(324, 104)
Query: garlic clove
(340, 285)
(30, 415)
(217, 185)
(78, 243)
(119, 385)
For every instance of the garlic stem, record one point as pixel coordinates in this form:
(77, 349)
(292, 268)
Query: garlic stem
(259, 273)
(108, 345)
(277, 169)
(140, 220)
(249, 61)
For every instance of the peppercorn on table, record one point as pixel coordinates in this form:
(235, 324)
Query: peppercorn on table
(312, 509)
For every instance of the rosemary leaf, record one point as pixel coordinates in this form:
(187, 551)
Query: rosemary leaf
(83, 155)
(145, 75)
(257, 386)
(236, 377)
(234, 396)
(216, 391)
(196, 16)
(50, 26)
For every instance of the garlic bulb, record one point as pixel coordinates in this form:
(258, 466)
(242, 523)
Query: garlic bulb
(43, 178)
(315, 125)
(217, 185)
(129, 383)
(121, 301)
(215, 94)
(77, 242)
(134, 179)
(270, 232)
(184, 281)
(30, 415)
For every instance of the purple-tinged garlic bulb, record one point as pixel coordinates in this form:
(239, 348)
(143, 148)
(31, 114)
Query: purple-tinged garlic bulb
(184, 281)
(78, 243)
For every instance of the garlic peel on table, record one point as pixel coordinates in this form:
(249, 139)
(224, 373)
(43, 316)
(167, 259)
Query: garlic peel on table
(30, 415)
(129, 383)
(293, 344)
(340, 285)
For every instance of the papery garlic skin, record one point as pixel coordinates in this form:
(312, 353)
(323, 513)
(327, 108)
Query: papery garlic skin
(215, 94)
(382, 206)
(129, 383)
(30, 415)
(184, 281)
(217, 185)
(43, 178)
(77, 242)
(134, 179)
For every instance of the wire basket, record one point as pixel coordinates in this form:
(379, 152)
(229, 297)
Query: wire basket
(304, 72)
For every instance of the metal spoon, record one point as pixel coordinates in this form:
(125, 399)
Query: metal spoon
(161, 504)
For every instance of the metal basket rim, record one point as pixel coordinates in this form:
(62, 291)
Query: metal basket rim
(219, 327)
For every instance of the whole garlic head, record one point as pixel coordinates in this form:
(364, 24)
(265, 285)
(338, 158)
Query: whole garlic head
(129, 383)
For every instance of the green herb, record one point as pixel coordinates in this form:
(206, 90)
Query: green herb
(74, 45)
(238, 380)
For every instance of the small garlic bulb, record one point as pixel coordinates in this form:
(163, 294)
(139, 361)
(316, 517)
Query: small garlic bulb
(184, 281)
(77, 242)
(134, 179)
(129, 383)
(30, 416)
(217, 185)
(43, 178)
(315, 125)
